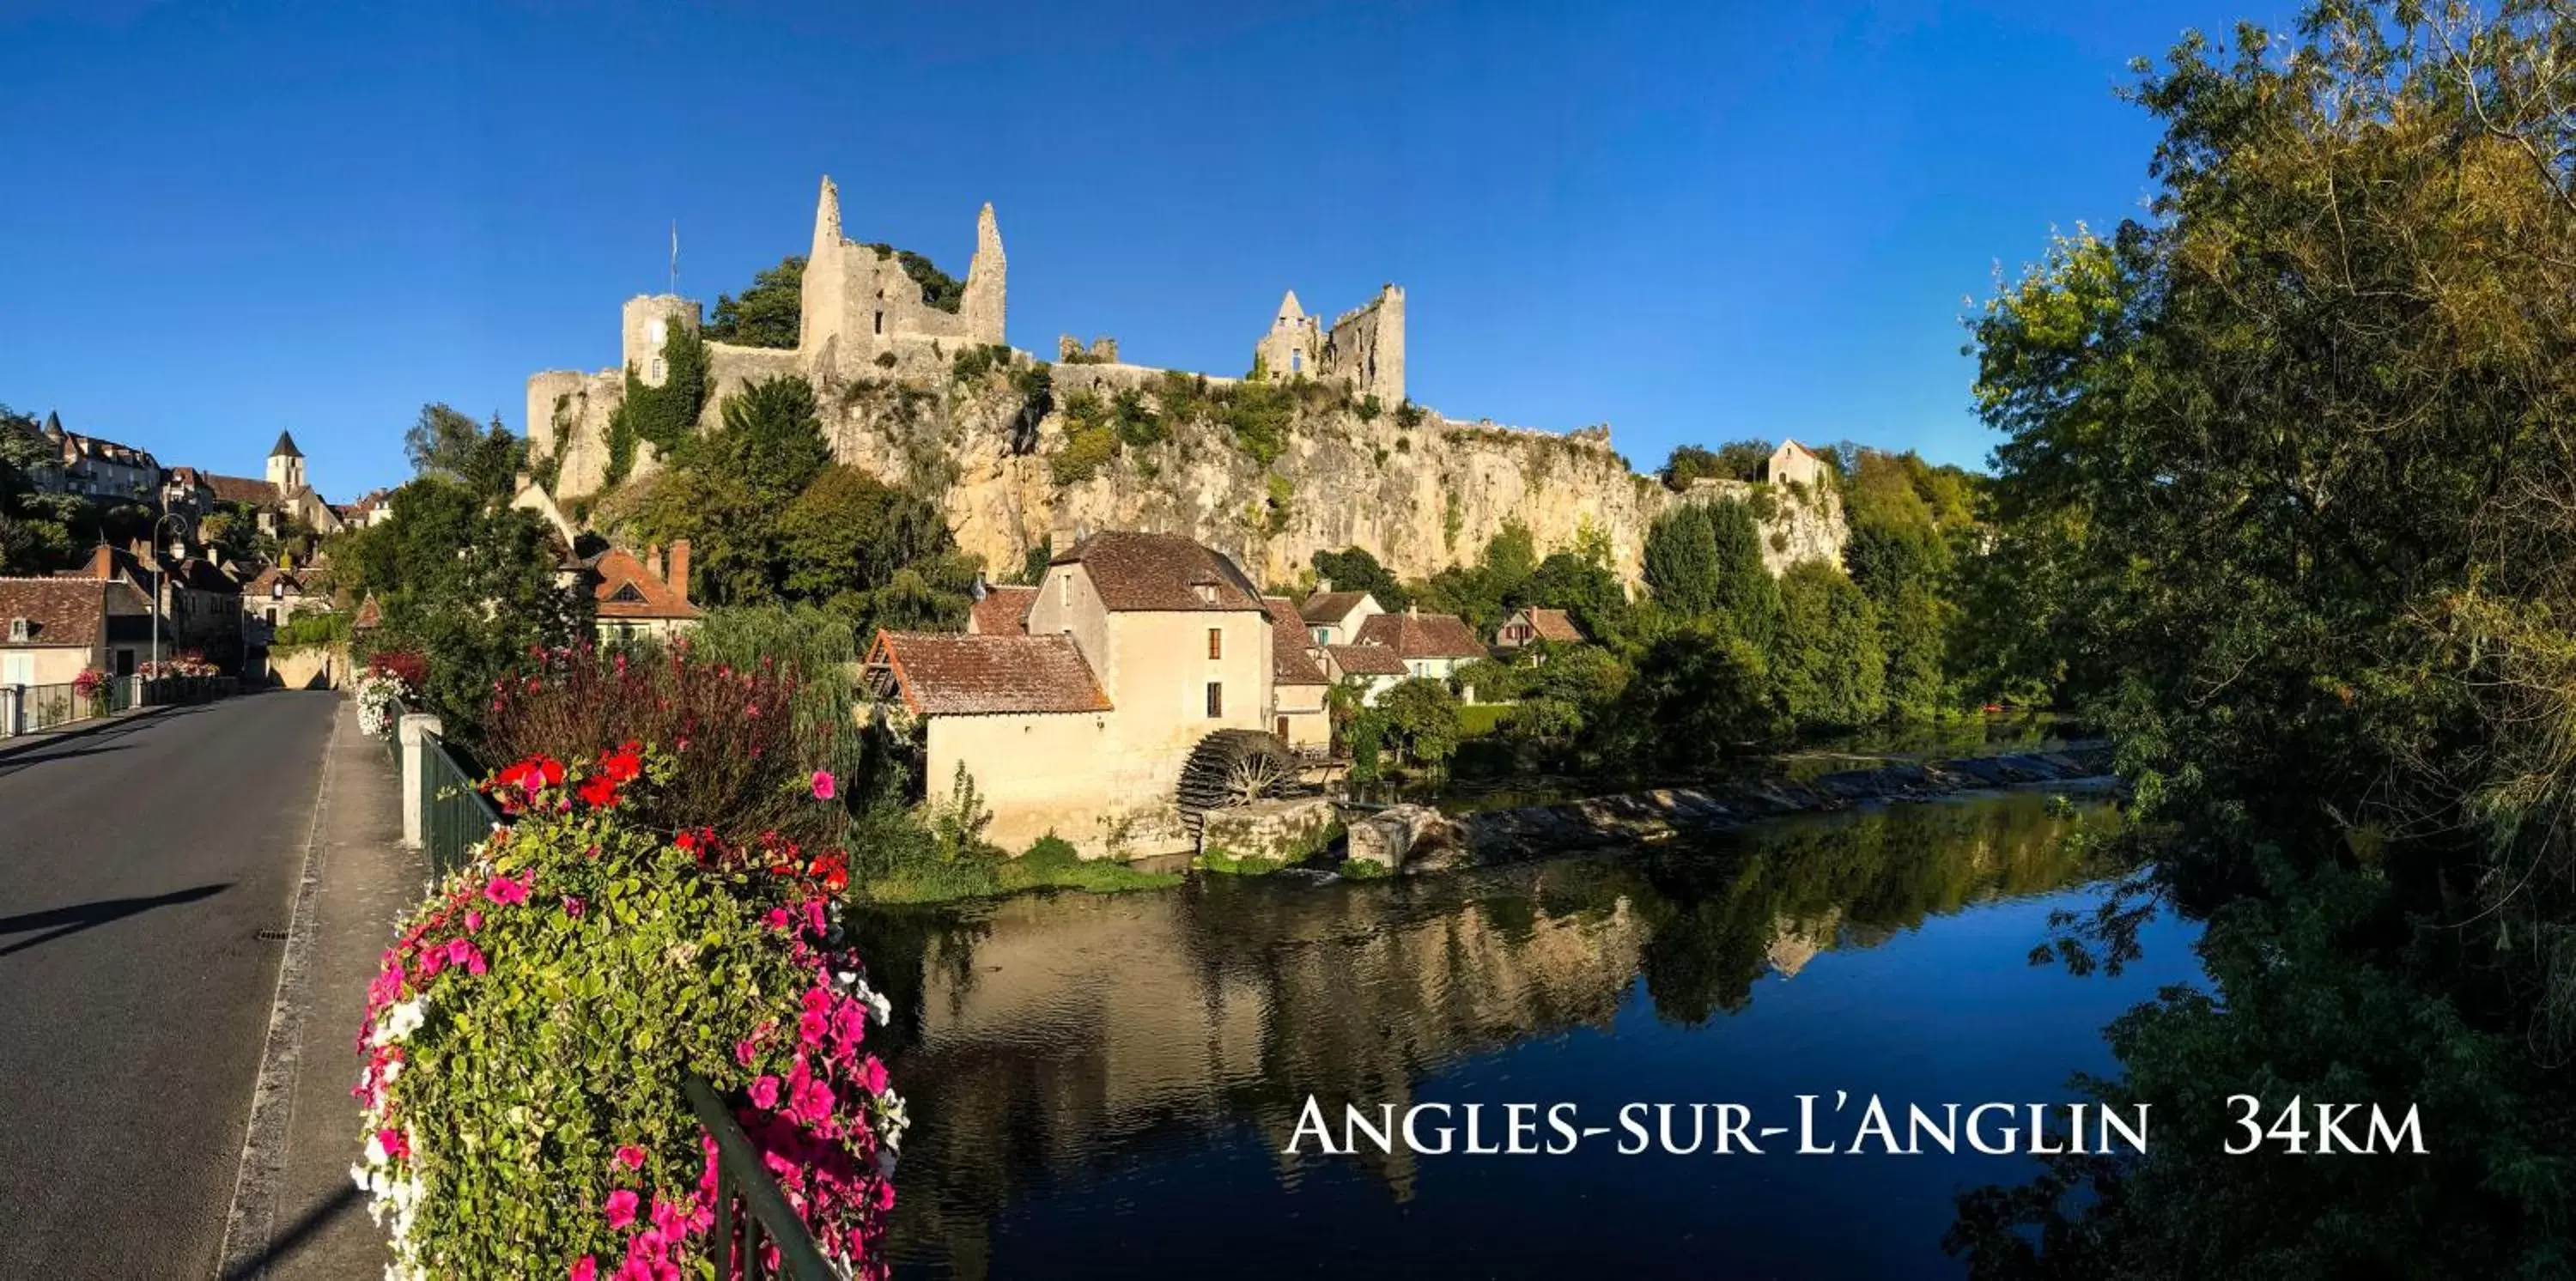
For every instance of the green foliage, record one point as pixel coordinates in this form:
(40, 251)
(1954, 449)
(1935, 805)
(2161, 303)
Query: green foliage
(768, 313)
(448, 445)
(873, 555)
(771, 440)
(938, 288)
(1257, 415)
(1353, 569)
(1225, 862)
(311, 627)
(466, 580)
(1585, 588)
(1134, 421)
(1408, 416)
(972, 363)
(1089, 441)
(2283, 492)
(1421, 721)
(1735, 460)
(1699, 693)
(1826, 660)
(665, 415)
(1280, 505)
(1681, 562)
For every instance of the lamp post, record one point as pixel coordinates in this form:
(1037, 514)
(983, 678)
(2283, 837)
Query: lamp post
(160, 584)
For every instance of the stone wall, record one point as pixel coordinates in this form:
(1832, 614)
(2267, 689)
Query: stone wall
(1282, 831)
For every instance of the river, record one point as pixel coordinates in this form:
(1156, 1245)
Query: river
(1104, 1085)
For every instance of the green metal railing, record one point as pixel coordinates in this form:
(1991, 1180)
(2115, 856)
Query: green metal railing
(740, 1175)
(454, 816)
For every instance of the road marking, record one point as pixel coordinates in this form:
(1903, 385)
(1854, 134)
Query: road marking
(272, 1096)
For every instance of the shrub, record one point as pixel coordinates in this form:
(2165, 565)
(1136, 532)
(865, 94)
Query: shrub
(405, 665)
(528, 1034)
(741, 765)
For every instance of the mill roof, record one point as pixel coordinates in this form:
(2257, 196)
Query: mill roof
(1289, 662)
(1413, 635)
(941, 674)
(1365, 660)
(1004, 611)
(1160, 572)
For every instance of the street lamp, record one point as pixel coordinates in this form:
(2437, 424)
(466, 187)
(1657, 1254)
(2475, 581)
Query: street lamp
(160, 587)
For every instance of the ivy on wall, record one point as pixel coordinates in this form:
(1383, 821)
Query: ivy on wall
(664, 415)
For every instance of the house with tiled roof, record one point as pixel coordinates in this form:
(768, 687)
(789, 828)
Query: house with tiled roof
(642, 596)
(1297, 680)
(1131, 651)
(199, 603)
(94, 467)
(1530, 625)
(1371, 669)
(1000, 611)
(53, 629)
(1431, 646)
(1335, 618)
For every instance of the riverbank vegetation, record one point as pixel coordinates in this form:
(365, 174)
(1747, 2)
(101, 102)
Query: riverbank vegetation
(2283, 505)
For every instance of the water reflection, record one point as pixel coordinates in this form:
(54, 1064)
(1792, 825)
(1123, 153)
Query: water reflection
(1077, 1061)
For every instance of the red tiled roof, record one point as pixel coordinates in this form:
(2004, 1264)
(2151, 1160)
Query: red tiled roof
(1134, 571)
(1004, 611)
(1366, 660)
(1422, 636)
(60, 611)
(941, 674)
(1289, 663)
(626, 589)
(1554, 625)
(1331, 607)
(369, 615)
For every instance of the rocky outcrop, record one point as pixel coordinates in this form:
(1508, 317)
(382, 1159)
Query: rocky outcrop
(1419, 491)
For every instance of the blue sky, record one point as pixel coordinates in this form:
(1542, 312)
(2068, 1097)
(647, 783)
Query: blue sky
(1693, 221)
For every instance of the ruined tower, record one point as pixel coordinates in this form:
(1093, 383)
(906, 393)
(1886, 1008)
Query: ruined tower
(1365, 348)
(644, 324)
(860, 302)
(986, 278)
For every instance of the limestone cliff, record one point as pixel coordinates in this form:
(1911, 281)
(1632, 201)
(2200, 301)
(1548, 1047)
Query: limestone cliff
(1419, 491)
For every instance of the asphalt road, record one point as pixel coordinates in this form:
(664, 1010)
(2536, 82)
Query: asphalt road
(139, 865)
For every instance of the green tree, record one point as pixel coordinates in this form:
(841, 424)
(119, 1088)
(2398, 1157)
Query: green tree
(1352, 569)
(441, 442)
(1585, 589)
(768, 313)
(1421, 721)
(874, 555)
(1681, 562)
(1700, 693)
(1745, 591)
(2289, 465)
(1826, 659)
(770, 441)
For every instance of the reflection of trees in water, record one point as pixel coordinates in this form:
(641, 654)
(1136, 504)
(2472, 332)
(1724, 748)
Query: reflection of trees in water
(1723, 916)
(1043, 1035)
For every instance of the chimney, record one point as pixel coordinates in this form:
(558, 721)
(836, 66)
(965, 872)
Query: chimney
(653, 561)
(678, 578)
(1323, 584)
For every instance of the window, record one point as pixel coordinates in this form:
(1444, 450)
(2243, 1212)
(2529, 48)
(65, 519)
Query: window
(18, 629)
(1280, 725)
(1216, 642)
(1064, 590)
(1323, 635)
(1216, 698)
(1296, 361)
(656, 373)
(880, 322)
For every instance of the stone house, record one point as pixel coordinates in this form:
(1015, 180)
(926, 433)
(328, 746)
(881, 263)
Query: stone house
(95, 468)
(200, 604)
(1297, 681)
(1793, 463)
(274, 595)
(641, 597)
(1532, 624)
(1372, 669)
(53, 629)
(1136, 648)
(1334, 618)
(1432, 646)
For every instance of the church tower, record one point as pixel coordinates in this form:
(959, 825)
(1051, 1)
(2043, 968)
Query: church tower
(285, 465)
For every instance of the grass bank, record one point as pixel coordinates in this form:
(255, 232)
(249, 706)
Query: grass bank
(1049, 865)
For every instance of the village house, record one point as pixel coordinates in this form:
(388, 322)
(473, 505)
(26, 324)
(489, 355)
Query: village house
(1000, 611)
(1432, 646)
(1371, 669)
(1297, 682)
(278, 501)
(1334, 618)
(199, 602)
(1530, 625)
(1794, 464)
(641, 597)
(53, 629)
(95, 468)
(1134, 649)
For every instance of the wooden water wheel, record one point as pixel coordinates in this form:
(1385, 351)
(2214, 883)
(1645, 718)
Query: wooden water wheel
(1234, 767)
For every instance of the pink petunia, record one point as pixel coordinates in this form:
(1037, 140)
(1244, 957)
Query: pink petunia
(872, 1074)
(813, 1101)
(585, 1268)
(764, 1092)
(810, 1027)
(505, 891)
(473, 921)
(630, 1156)
(744, 1052)
(572, 905)
(621, 1207)
(823, 785)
